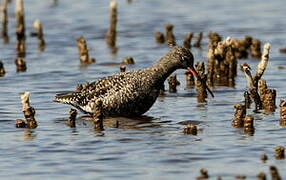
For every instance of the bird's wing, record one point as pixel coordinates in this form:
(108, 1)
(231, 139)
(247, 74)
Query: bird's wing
(95, 90)
(102, 86)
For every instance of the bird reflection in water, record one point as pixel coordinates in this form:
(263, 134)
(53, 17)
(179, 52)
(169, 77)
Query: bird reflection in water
(123, 122)
(28, 135)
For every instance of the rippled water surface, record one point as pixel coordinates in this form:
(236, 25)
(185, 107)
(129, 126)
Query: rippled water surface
(154, 146)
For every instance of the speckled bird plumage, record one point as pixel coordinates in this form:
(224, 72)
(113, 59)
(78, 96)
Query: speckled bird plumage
(129, 93)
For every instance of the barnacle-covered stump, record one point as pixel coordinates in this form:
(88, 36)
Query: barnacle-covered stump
(170, 37)
(279, 152)
(173, 83)
(128, 60)
(83, 51)
(28, 111)
(20, 64)
(269, 100)
(160, 38)
(249, 125)
(111, 33)
(188, 40)
(199, 40)
(239, 115)
(283, 113)
(98, 115)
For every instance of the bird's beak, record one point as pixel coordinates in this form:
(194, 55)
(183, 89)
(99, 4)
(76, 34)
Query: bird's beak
(192, 70)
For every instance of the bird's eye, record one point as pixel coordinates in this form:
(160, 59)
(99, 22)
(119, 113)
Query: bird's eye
(184, 58)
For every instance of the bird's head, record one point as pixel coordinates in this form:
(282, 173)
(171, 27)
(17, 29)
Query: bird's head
(183, 58)
(178, 58)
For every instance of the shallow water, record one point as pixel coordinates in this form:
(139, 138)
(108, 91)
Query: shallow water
(154, 146)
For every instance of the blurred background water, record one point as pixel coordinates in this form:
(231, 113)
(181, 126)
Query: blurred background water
(151, 147)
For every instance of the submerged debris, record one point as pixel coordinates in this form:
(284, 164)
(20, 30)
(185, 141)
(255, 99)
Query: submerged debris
(83, 51)
(240, 177)
(282, 50)
(264, 157)
(2, 69)
(204, 174)
(191, 129)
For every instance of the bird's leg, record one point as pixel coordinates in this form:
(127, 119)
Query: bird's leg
(72, 118)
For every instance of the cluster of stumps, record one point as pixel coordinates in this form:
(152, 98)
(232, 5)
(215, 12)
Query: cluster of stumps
(221, 69)
(261, 176)
(20, 33)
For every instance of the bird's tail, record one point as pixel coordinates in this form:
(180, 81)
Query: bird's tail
(67, 98)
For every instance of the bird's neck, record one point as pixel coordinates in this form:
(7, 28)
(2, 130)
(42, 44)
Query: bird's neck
(164, 68)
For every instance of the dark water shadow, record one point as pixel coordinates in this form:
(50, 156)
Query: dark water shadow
(194, 122)
(187, 94)
(110, 64)
(125, 122)
(117, 122)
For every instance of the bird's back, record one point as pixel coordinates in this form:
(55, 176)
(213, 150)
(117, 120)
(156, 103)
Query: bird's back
(123, 94)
